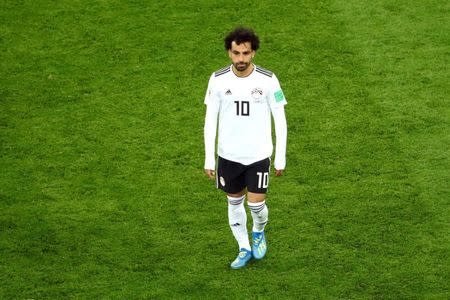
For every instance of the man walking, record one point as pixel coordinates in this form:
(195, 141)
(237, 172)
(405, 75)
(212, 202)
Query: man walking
(243, 97)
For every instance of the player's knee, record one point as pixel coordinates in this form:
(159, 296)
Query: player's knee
(236, 195)
(256, 197)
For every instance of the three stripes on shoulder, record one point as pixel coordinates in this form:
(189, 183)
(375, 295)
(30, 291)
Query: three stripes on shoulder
(258, 69)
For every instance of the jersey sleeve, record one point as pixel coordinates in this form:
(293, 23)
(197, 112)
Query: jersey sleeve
(210, 128)
(281, 137)
(277, 101)
(276, 96)
(210, 97)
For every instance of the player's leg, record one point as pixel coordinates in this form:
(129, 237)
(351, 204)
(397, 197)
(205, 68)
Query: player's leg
(231, 180)
(237, 219)
(260, 216)
(258, 208)
(257, 178)
(258, 181)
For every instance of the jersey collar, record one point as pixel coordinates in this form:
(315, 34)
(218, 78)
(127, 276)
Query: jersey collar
(253, 71)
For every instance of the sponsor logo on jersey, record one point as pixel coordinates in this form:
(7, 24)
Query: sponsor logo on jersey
(279, 96)
(257, 94)
(228, 92)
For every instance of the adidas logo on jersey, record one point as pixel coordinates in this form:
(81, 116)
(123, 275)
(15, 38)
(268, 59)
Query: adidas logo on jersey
(228, 92)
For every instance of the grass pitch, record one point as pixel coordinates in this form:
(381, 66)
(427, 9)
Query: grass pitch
(102, 192)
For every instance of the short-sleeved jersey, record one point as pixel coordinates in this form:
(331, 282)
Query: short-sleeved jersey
(245, 104)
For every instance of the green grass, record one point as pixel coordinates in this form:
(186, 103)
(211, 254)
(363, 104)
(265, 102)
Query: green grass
(102, 192)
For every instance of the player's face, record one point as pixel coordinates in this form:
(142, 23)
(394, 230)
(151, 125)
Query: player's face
(241, 55)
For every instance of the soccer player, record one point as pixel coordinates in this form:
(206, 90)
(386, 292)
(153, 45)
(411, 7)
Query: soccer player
(243, 97)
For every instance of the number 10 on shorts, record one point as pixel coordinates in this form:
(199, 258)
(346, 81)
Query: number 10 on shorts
(263, 179)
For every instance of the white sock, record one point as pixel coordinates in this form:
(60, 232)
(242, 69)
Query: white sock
(260, 215)
(237, 218)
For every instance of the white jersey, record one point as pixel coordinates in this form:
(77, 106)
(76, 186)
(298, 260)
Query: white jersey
(244, 105)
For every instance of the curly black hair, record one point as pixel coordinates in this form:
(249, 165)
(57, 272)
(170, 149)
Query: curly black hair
(241, 35)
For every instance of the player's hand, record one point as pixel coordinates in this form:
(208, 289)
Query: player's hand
(278, 172)
(210, 173)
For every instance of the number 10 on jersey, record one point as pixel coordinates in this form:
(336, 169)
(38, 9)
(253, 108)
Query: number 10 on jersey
(242, 108)
(263, 179)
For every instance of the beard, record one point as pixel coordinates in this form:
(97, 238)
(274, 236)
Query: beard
(242, 66)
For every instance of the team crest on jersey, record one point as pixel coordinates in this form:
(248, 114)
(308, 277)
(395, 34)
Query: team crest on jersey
(257, 94)
(222, 181)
